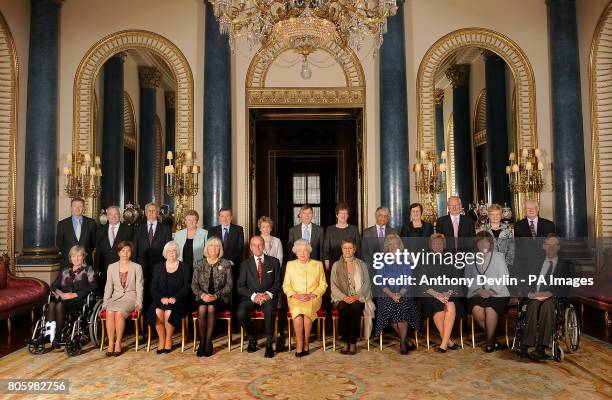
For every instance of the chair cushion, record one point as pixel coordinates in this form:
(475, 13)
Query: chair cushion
(3, 275)
(16, 296)
(222, 314)
(335, 313)
(133, 314)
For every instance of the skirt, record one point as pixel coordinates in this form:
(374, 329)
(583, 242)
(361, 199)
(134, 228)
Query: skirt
(499, 304)
(70, 306)
(309, 308)
(218, 303)
(432, 306)
(389, 310)
(177, 312)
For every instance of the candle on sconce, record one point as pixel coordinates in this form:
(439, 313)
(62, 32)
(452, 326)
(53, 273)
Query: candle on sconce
(92, 171)
(512, 156)
(429, 166)
(525, 152)
(87, 157)
(423, 154)
(188, 155)
(417, 167)
(97, 160)
(185, 169)
(443, 155)
(83, 170)
(528, 166)
(537, 152)
(508, 169)
(69, 157)
(169, 155)
(442, 167)
(195, 169)
(515, 168)
(98, 172)
(66, 171)
(540, 166)
(170, 169)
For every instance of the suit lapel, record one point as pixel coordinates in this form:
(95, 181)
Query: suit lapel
(71, 227)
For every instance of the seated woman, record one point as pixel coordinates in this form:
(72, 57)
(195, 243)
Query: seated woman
(212, 286)
(395, 307)
(170, 287)
(350, 292)
(440, 301)
(69, 292)
(304, 286)
(122, 295)
(487, 302)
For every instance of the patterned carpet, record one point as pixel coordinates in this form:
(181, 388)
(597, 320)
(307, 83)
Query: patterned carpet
(463, 374)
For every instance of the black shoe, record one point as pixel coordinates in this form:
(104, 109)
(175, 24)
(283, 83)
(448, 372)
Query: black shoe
(166, 351)
(201, 351)
(252, 346)
(55, 344)
(441, 350)
(280, 344)
(162, 351)
(455, 346)
(410, 346)
(305, 353)
(269, 351)
(523, 352)
(538, 354)
(489, 349)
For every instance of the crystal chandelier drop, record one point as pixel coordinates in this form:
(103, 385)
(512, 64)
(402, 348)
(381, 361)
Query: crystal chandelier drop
(304, 25)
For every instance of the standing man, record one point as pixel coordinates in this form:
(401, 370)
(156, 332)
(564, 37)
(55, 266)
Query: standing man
(150, 237)
(76, 229)
(315, 235)
(458, 229)
(108, 237)
(533, 225)
(374, 236)
(259, 284)
(232, 237)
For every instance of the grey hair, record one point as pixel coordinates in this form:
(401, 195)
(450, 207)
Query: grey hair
(299, 243)
(152, 205)
(113, 207)
(168, 246)
(382, 208)
(532, 201)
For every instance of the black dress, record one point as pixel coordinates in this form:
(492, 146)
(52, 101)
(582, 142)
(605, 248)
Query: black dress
(169, 284)
(430, 304)
(416, 239)
(218, 303)
(188, 256)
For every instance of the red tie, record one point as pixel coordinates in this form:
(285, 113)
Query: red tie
(259, 269)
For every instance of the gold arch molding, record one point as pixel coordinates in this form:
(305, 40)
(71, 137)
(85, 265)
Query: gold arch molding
(352, 95)
(9, 81)
(498, 44)
(600, 76)
(82, 131)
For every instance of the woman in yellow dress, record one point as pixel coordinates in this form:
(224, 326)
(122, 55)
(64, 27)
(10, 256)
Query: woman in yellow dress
(304, 285)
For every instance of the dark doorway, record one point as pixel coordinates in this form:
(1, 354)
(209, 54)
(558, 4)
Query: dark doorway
(304, 158)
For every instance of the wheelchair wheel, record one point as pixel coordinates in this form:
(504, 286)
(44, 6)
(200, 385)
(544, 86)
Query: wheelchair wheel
(571, 329)
(36, 346)
(74, 347)
(95, 325)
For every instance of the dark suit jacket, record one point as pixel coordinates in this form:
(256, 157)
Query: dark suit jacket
(370, 243)
(248, 281)
(543, 228)
(316, 241)
(65, 238)
(466, 230)
(233, 248)
(564, 269)
(105, 254)
(149, 254)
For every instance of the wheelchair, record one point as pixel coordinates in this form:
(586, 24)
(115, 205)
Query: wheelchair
(566, 329)
(80, 327)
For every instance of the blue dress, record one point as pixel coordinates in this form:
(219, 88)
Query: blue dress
(387, 309)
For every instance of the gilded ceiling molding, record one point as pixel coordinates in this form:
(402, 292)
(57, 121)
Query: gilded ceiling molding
(494, 42)
(9, 90)
(600, 76)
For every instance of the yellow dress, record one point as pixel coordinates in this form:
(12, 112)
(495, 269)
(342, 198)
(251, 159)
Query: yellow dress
(301, 279)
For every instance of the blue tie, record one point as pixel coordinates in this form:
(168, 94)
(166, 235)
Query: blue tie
(306, 234)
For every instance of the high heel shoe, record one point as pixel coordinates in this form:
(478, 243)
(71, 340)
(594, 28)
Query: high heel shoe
(441, 350)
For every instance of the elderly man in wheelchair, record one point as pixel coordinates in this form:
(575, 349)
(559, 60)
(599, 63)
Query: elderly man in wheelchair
(545, 316)
(68, 314)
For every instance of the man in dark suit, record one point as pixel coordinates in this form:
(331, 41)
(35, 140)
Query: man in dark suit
(232, 237)
(374, 236)
(533, 225)
(259, 285)
(458, 229)
(76, 229)
(542, 298)
(150, 237)
(315, 235)
(108, 237)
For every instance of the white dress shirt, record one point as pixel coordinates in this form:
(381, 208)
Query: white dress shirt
(266, 292)
(545, 265)
(535, 223)
(154, 223)
(114, 229)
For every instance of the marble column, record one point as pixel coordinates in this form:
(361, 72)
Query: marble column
(459, 76)
(147, 149)
(440, 142)
(394, 164)
(170, 99)
(217, 177)
(112, 185)
(568, 141)
(41, 171)
(497, 129)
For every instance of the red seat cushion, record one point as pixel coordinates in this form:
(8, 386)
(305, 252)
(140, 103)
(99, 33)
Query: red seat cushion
(335, 313)
(133, 314)
(260, 314)
(14, 297)
(222, 314)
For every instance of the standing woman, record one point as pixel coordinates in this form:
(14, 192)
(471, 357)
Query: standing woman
(191, 241)
(212, 286)
(335, 234)
(304, 286)
(503, 234)
(395, 306)
(417, 228)
(69, 291)
(122, 295)
(350, 293)
(169, 292)
(272, 245)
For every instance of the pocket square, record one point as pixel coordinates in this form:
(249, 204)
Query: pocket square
(269, 272)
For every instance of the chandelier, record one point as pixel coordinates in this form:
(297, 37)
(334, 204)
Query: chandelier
(525, 174)
(304, 25)
(181, 174)
(430, 180)
(82, 176)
